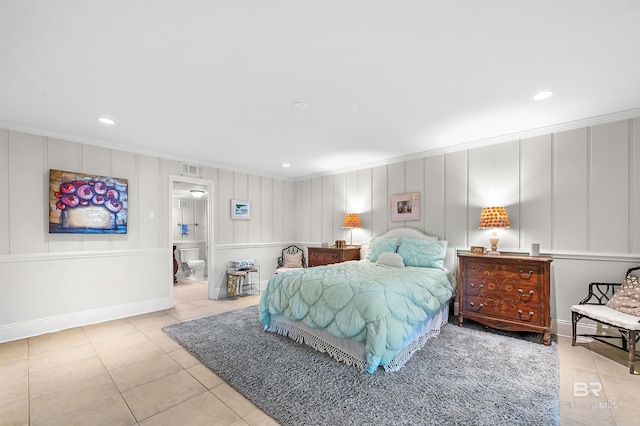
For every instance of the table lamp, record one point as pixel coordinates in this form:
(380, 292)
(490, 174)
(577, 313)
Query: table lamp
(493, 218)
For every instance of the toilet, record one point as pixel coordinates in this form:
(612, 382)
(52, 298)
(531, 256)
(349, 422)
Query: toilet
(190, 258)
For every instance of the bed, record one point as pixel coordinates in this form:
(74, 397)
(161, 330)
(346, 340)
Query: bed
(372, 313)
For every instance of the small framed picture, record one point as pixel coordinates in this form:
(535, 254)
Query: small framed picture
(405, 207)
(477, 250)
(240, 209)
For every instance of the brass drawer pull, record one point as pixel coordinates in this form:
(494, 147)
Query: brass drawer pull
(520, 313)
(530, 295)
(525, 274)
(478, 308)
(480, 287)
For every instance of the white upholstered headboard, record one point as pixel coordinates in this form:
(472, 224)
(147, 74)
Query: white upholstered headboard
(450, 260)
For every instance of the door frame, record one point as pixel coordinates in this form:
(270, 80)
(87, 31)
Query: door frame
(210, 225)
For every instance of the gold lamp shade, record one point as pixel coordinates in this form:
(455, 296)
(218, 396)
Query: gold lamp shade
(351, 220)
(492, 218)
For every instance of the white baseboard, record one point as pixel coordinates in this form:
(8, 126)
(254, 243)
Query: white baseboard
(563, 328)
(50, 325)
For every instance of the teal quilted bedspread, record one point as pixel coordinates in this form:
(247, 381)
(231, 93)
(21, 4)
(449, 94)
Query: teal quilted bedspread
(375, 304)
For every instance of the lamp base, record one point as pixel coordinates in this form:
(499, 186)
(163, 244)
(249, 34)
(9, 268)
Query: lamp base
(493, 239)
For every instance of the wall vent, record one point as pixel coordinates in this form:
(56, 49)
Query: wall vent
(191, 170)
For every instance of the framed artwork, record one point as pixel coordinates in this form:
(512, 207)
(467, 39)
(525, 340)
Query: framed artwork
(405, 207)
(477, 250)
(240, 209)
(82, 203)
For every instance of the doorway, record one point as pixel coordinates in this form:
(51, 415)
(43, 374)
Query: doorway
(191, 226)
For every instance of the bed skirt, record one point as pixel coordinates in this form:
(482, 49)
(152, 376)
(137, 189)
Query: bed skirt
(351, 352)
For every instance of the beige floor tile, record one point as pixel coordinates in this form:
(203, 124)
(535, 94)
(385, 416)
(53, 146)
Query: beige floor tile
(178, 307)
(109, 329)
(15, 412)
(70, 397)
(140, 373)
(14, 380)
(568, 422)
(162, 340)
(611, 360)
(12, 351)
(121, 335)
(204, 409)
(59, 355)
(189, 314)
(184, 358)
(162, 394)
(108, 411)
(622, 395)
(204, 302)
(156, 322)
(588, 413)
(259, 418)
(49, 380)
(208, 378)
(61, 339)
(117, 358)
(575, 355)
(235, 400)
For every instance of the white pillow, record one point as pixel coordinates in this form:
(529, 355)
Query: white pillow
(390, 259)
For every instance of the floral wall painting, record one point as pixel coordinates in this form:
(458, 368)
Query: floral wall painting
(81, 203)
(405, 207)
(240, 209)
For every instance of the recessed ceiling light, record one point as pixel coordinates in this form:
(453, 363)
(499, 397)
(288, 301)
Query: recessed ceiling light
(300, 106)
(286, 165)
(105, 120)
(543, 95)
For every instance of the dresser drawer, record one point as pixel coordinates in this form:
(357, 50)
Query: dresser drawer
(323, 258)
(520, 272)
(508, 289)
(319, 256)
(505, 309)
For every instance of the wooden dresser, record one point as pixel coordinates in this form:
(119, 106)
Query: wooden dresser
(506, 292)
(319, 256)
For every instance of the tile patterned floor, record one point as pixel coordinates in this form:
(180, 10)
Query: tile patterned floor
(128, 372)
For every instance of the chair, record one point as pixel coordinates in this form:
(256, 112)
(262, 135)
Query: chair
(292, 258)
(594, 308)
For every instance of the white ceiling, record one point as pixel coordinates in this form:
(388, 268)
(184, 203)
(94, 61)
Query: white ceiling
(215, 82)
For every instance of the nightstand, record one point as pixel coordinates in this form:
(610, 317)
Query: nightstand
(319, 256)
(506, 292)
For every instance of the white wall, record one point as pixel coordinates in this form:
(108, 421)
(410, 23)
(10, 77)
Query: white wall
(54, 281)
(575, 192)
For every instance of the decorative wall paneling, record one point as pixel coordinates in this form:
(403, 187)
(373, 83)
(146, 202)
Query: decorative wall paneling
(5, 224)
(35, 266)
(574, 192)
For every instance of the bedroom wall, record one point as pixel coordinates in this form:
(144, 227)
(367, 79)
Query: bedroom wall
(574, 192)
(54, 281)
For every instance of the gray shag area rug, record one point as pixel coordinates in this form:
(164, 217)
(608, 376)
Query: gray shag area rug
(465, 376)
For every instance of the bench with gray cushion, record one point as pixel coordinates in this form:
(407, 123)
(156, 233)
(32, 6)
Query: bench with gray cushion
(594, 307)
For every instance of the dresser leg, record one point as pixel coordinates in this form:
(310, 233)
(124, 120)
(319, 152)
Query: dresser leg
(460, 319)
(547, 338)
